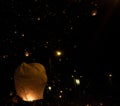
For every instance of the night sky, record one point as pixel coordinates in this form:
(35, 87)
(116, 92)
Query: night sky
(85, 31)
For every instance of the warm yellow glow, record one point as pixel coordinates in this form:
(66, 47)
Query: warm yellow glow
(30, 81)
(110, 75)
(60, 96)
(29, 98)
(61, 91)
(77, 81)
(94, 12)
(58, 53)
(50, 88)
(27, 53)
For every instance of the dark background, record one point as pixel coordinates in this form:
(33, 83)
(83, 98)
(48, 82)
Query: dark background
(90, 44)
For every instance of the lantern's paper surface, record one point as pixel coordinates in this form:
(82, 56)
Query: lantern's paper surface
(30, 81)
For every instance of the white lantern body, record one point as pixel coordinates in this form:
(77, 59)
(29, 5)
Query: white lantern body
(30, 81)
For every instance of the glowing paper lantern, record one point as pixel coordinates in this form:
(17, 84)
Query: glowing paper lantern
(30, 81)
(94, 12)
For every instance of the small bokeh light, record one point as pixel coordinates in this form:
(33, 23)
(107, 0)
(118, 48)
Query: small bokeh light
(110, 75)
(27, 54)
(60, 96)
(77, 81)
(94, 12)
(50, 88)
(58, 53)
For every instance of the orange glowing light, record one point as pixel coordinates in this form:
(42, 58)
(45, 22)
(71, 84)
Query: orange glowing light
(29, 98)
(58, 53)
(77, 81)
(27, 53)
(30, 86)
(94, 12)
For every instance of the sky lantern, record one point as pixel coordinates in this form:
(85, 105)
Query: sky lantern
(30, 81)
(77, 81)
(94, 12)
(27, 53)
(58, 53)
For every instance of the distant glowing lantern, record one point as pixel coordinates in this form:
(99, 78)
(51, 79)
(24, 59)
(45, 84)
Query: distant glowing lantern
(27, 53)
(110, 75)
(94, 12)
(77, 81)
(60, 96)
(30, 81)
(38, 18)
(87, 105)
(101, 104)
(58, 53)
(50, 88)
